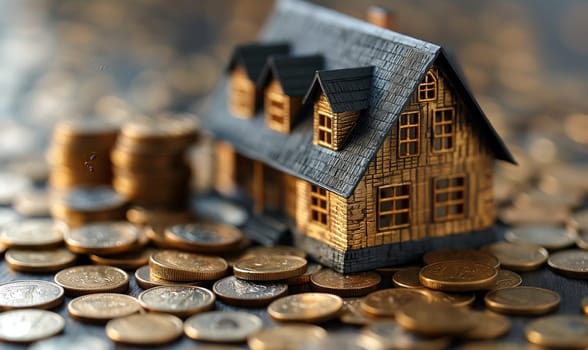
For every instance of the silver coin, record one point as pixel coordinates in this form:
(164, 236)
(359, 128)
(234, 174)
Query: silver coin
(572, 263)
(220, 210)
(546, 236)
(222, 326)
(94, 198)
(103, 237)
(11, 185)
(30, 294)
(177, 300)
(33, 233)
(32, 203)
(25, 326)
(72, 342)
(8, 216)
(239, 292)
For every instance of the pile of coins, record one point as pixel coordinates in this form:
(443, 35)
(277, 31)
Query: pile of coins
(79, 153)
(149, 162)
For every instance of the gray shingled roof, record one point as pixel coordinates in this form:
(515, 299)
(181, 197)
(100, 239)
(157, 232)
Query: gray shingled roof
(346, 89)
(254, 56)
(295, 73)
(400, 64)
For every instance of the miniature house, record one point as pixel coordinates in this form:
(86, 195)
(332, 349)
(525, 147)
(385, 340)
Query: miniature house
(390, 156)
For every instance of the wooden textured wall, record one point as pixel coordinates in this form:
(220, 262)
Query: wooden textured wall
(342, 123)
(243, 94)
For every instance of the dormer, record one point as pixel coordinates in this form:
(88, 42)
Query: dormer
(284, 81)
(245, 68)
(339, 96)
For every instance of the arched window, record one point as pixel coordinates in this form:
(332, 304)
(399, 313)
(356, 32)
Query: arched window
(428, 88)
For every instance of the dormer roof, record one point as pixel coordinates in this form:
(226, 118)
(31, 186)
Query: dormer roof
(254, 56)
(294, 73)
(346, 89)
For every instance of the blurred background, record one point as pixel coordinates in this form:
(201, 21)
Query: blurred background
(527, 62)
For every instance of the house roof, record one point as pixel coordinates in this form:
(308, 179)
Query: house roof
(346, 89)
(253, 57)
(400, 62)
(294, 73)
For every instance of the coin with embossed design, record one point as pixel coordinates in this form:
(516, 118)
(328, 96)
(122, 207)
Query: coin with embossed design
(72, 342)
(436, 319)
(306, 307)
(507, 278)
(286, 337)
(80, 280)
(561, 332)
(570, 263)
(407, 278)
(127, 261)
(145, 329)
(146, 280)
(269, 267)
(478, 256)
(345, 285)
(30, 294)
(487, 325)
(239, 292)
(518, 256)
(204, 237)
(392, 336)
(311, 269)
(102, 238)
(549, 237)
(182, 301)
(178, 266)
(29, 325)
(34, 233)
(456, 299)
(222, 326)
(353, 314)
(48, 260)
(275, 250)
(102, 307)
(522, 300)
(458, 276)
(386, 302)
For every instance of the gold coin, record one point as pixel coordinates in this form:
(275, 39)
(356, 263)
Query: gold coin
(455, 299)
(222, 326)
(487, 326)
(275, 250)
(561, 331)
(582, 241)
(30, 294)
(29, 325)
(345, 285)
(435, 319)
(548, 237)
(493, 345)
(507, 278)
(482, 257)
(570, 263)
(234, 291)
(518, 256)
(286, 337)
(353, 314)
(178, 266)
(407, 278)
(306, 307)
(391, 336)
(386, 302)
(144, 216)
(102, 307)
(584, 305)
(311, 269)
(181, 301)
(146, 280)
(522, 300)
(145, 329)
(389, 271)
(204, 237)
(269, 267)
(80, 280)
(128, 261)
(49, 260)
(102, 238)
(458, 276)
(33, 233)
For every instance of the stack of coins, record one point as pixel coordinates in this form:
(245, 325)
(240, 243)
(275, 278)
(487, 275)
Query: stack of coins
(150, 166)
(79, 153)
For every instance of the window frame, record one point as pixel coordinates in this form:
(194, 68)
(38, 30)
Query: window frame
(427, 90)
(321, 196)
(404, 123)
(443, 137)
(275, 110)
(395, 198)
(324, 130)
(449, 191)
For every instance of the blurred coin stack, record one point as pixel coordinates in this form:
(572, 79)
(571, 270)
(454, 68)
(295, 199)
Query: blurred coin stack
(149, 162)
(79, 153)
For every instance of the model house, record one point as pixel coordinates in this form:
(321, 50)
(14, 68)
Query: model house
(365, 141)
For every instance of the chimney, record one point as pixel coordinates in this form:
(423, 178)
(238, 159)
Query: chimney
(382, 17)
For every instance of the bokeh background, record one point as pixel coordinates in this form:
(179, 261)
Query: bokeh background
(527, 62)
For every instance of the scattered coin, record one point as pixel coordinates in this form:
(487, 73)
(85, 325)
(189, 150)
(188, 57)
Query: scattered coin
(407, 278)
(83, 204)
(386, 302)
(275, 250)
(30, 294)
(570, 263)
(181, 301)
(458, 276)
(72, 342)
(102, 307)
(392, 336)
(127, 261)
(49, 260)
(311, 269)
(493, 345)
(11, 185)
(222, 326)
(219, 210)
(145, 216)
(471, 255)
(269, 267)
(579, 220)
(234, 291)
(506, 279)
(548, 237)
(87, 279)
(455, 299)
(29, 325)
(286, 337)
(522, 300)
(389, 271)
(561, 331)
(204, 238)
(518, 256)
(144, 329)
(102, 238)
(345, 285)
(345, 341)
(487, 326)
(146, 280)
(306, 307)
(33, 233)
(582, 241)
(435, 319)
(32, 203)
(180, 266)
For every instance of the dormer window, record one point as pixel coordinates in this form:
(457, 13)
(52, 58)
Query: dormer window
(428, 88)
(339, 97)
(246, 66)
(284, 81)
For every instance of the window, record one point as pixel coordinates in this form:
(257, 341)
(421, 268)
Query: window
(408, 134)
(319, 205)
(443, 130)
(449, 198)
(428, 88)
(325, 129)
(274, 109)
(393, 206)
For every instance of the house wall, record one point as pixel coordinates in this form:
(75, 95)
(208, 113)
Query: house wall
(342, 123)
(243, 94)
(290, 111)
(470, 157)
